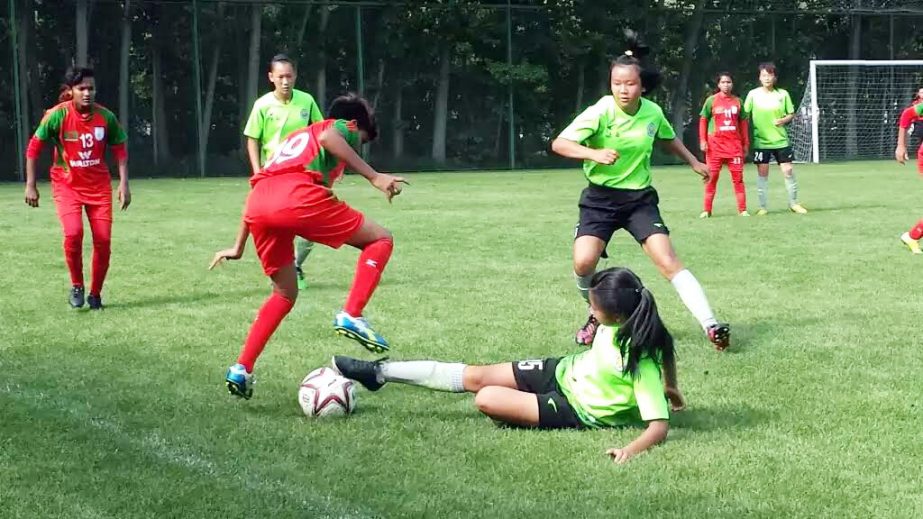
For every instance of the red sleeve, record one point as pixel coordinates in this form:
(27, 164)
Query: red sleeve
(703, 129)
(907, 117)
(34, 149)
(744, 126)
(119, 152)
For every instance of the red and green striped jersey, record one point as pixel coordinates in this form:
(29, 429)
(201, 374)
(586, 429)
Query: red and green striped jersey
(301, 152)
(80, 142)
(724, 114)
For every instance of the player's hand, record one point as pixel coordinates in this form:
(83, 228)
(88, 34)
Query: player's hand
(620, 456)
(124, 196)
(31, 196)
(900, 154)
(703, 145)
(390, 185)
(226, 254)
(676, 398)
(702, 170)
(605, 156)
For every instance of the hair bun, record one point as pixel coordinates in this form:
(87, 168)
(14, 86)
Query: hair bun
(636, 48)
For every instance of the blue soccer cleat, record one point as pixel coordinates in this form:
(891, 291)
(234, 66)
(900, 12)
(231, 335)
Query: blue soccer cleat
(359, 330)
(239, 382)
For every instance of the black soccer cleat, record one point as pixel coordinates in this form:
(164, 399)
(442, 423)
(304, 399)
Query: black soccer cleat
(76, 298)
(362, 371)
(95, 302)
(720, 335)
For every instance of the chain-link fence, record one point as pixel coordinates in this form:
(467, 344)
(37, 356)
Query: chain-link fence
(456, 85)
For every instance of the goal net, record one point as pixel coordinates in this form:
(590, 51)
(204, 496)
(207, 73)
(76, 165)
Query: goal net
(850, 109)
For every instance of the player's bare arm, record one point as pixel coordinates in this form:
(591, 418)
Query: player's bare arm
(574, 150)
(676, 147)
(655, 433)
(333, 142)
(253, 153)
(31, 189)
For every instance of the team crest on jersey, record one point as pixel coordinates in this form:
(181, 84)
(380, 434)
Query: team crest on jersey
(99, 132)
(306, 114)
(651, 130)
(734, 109)
(71, 136)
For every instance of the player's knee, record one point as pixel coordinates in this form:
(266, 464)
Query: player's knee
(102, 241)
(584, 265)
(73, 239)
(473, 378)
(487, 400)
(668, 265)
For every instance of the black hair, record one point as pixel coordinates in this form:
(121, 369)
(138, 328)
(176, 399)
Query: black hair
(634, 56)
(73, 77)
(619, 293)
(281, 58)
(916, 95)
(768, 66)
(352, 107)
(720, 75)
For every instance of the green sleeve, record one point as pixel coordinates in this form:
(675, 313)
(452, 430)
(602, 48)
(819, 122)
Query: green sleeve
(584, 126)
(748, 104)
(789, 107)
(254, 127)
(348, 131)
(116, 134)
(51, 124)
(706, 109)
(918, 109)
(648, 388)
(665, 129)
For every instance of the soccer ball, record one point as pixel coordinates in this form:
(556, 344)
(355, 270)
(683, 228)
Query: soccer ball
(325, 393)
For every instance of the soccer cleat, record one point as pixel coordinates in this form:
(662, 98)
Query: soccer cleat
(743, 213)
(358, 329)
(762, 212)
(720, 335)
(587, 333)
(239, 382)
(302, 282)
(364, 372)
(704, 214)
(76, 299)
(95, 302)
(911, 244)
(798, 208)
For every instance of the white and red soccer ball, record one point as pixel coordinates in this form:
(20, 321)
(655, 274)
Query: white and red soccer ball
(326, 393)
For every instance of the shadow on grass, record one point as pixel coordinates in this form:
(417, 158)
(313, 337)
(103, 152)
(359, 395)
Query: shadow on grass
(713, 418)
(188, 297)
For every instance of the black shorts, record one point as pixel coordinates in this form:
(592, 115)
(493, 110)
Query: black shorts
(782, 155)
(537, 376)
(604, 210)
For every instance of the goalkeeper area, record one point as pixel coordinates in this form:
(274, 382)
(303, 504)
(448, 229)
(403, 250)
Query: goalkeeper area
(851, 108)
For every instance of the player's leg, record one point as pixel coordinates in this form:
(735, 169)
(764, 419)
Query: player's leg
(785, 157)
(452, 377)
(598, 220)
(912, 238)
(714, 171)
(275, 249)
(532, 400)
(736, 167)
(303, 248)
(70, 214)
(761, 159)
(100, 217)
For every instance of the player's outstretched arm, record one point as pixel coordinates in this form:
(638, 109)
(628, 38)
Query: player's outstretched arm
(332, 141)
(676, 147)
(574, 150)
(235, 252)
(655, 433)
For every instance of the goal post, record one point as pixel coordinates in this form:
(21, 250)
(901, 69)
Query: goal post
(850, 109)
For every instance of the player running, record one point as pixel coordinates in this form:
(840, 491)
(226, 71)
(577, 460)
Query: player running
(80, 131)
(273, 118)
(292, 196)
(724, 136)
(770, 109)
(626, 377)
(615, 139)
(910, 115)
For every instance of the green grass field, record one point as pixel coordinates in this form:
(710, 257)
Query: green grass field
(123, 413)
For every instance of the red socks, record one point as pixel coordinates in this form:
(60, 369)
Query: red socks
(372, 262)
(271, 314)
(102, 250)
(917, 232)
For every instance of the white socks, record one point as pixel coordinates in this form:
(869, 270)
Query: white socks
(792, 186)
(583, 285)
(692, 295)
(441, 376)
(762, 189)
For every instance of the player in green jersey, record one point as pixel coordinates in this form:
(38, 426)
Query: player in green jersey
(615, 139)
(770, 110)
(273, 118)
(627, 377)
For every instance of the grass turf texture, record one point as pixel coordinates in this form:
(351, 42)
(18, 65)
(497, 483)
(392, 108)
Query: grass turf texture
(123, 413)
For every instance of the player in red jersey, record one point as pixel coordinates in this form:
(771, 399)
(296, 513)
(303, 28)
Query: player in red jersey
(81, 130)
(291, 196)
(911, 115)
(724, 136)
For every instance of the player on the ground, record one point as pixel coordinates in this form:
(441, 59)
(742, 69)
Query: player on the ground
(273, 118)
(80, 131)
(770, 109)
(615, 139)
(626, 378)
(912, 114)
(291, 196)
(724, 136)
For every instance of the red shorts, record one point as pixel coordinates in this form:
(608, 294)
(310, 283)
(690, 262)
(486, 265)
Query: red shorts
(735, 164)
(282, 207)
(920, 159)
(68, 200)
